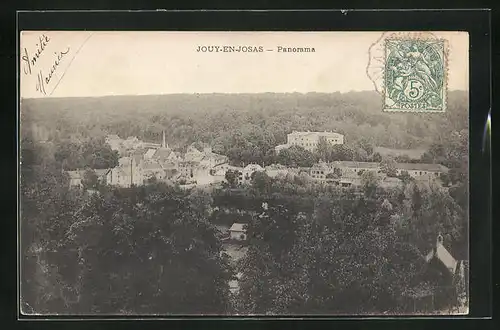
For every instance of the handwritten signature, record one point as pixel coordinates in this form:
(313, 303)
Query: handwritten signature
(30, 62)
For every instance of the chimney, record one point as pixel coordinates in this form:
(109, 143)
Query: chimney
(163, 145)
(439, 239)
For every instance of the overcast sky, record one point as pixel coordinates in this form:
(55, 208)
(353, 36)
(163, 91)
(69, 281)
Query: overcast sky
(140, 63)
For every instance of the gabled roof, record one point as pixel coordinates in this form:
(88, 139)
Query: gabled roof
(150, 153)
(174, 155)
(442, 254)
(162, 153)
(237, 227)
(192, 149)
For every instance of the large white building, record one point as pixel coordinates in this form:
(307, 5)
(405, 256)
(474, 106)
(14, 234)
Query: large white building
(309, 140)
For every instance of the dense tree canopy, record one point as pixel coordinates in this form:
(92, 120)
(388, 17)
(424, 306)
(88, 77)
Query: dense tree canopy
(344, 255)
(246, 127)
(150, 249)
(155, 249)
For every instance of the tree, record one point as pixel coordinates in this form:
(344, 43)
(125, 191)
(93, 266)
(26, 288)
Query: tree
(149, 249)
(342, 152)
(370, 182)
(429, 210)
(405, 177)
(261, 181)
(403, 159)
(295, 156)
(232, 177)
(90, 179)
(389, 167)
(445, 179)
(377, 158)
(323, 149)
(366, 145)
(349, 263)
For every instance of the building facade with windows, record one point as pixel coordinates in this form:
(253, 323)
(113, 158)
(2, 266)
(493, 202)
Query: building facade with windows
(309, 140)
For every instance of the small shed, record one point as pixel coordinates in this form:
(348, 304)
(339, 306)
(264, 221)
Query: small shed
(238, 232)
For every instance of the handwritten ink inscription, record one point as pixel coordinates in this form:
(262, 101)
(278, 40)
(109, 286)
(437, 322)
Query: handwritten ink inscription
(31, 63)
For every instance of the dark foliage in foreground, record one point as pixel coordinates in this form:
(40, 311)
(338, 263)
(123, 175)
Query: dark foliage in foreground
(140, 250)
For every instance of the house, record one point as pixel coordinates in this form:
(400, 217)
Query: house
(320, 171)
(238, 232)
(309, 140)
(441, 254)
(354, 169)
(75, 178)
(153, 170)
(325, 172)
(443, 282)
(187, 169)
(125, 176)
(421, 171)
(193, 154)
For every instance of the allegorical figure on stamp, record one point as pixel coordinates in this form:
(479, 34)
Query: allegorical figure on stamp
(415, 74)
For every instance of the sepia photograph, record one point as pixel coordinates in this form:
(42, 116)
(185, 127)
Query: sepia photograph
(243, 173)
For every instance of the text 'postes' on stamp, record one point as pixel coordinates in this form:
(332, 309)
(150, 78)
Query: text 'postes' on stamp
(415, 75)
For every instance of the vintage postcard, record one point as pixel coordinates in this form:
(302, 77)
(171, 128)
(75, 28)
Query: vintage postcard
(244, 173)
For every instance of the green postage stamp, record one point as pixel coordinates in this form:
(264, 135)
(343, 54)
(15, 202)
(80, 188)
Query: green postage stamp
(415, 75)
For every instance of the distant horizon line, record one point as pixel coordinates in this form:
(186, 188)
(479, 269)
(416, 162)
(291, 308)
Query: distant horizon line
(208, 93)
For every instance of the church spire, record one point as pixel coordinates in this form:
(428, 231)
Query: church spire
(163, 145)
